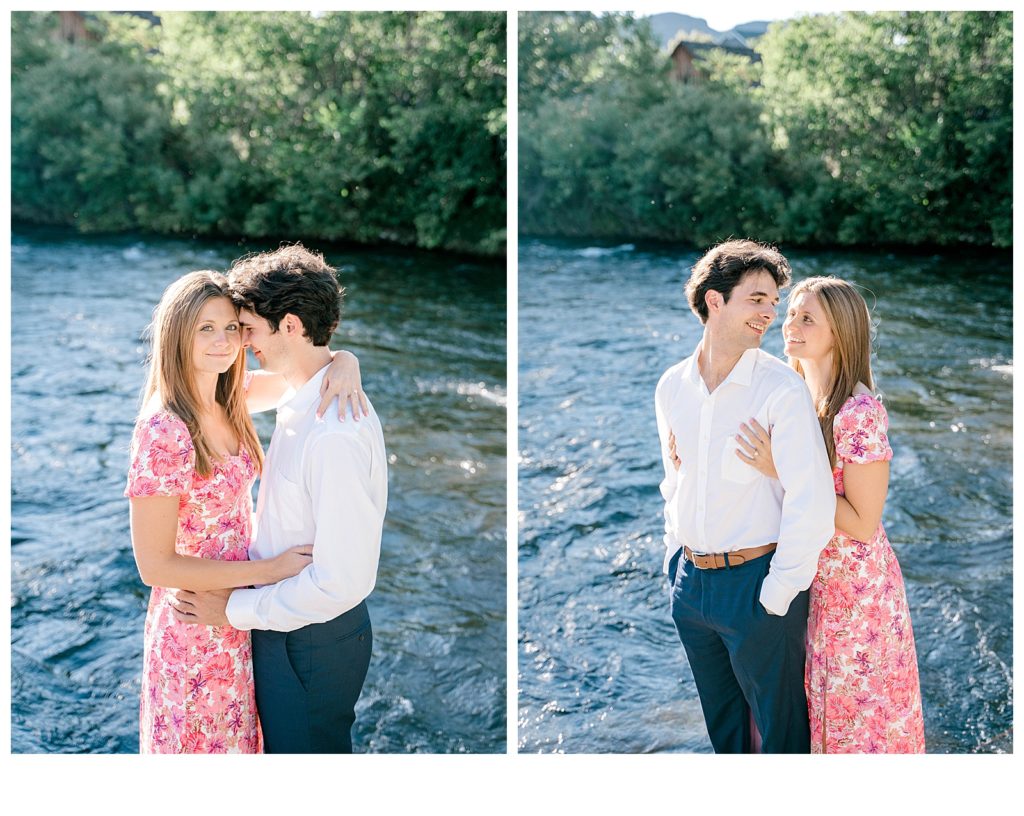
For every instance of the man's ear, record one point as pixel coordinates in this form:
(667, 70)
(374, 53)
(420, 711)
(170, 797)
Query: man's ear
(713, 300)
(290, 326)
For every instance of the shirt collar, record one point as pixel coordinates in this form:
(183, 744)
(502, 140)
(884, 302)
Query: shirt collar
(742, 373)
(691, 371)
(302, 400)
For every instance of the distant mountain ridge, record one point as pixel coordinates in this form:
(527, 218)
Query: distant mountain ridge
(667, 25)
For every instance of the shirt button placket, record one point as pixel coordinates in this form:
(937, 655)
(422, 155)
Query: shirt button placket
(707, 411)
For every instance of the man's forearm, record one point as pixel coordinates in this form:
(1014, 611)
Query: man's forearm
(808, 505)
(296, 602)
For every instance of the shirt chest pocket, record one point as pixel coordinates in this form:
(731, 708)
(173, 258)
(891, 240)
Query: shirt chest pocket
(735, 469)
(288, 501)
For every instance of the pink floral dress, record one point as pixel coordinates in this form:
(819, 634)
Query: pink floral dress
(861, 672)
(197, 685)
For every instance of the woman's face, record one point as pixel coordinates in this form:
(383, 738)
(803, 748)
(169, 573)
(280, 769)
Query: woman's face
(217, 339)
(806, 330)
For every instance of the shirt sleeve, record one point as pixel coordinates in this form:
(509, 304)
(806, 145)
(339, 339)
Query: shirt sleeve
(809, 501)
(669, 482)
(668, 485)
(162, 458)
(860, 432)
(346, 545)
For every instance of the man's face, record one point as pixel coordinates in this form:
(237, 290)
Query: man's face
(267, 346)
(743, 321)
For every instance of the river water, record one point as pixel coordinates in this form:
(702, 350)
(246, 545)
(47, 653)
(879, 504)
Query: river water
(600, 666)
(429, 331)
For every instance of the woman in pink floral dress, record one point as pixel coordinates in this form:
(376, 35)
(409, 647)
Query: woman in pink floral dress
(194, 457)
(861, 677)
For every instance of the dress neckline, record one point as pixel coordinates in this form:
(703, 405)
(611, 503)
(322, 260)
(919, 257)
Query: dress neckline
(242, 454)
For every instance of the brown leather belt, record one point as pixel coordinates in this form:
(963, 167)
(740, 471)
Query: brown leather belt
(729, 559)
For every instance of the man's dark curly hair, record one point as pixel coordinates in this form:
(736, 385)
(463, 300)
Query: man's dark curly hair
(722, 267)
(290, 280)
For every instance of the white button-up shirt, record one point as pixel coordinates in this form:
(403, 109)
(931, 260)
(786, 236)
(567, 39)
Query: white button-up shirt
(325, 483)
(717, 503)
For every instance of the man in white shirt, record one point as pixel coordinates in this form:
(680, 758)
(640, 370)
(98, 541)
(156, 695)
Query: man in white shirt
(742, 549)
(324, 482)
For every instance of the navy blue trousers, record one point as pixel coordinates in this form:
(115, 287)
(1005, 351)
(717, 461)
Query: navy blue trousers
(308, 681)
(745, 662)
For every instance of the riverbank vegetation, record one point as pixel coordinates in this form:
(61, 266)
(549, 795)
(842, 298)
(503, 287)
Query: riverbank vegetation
(852, 129)
(342, 126)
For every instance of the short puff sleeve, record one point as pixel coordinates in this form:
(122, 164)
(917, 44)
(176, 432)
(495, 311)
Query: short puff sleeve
(860, 431)
(162, 460)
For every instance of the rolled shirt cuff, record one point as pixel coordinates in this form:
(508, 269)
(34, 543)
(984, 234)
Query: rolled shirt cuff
(775, 596)
(241, 609)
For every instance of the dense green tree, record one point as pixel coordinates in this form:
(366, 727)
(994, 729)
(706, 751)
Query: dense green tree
(583, 79)
(855, 128)
(909, 113)
(87, 128)
(564, 54)
(361, 126)
(365, 126)
(694, 165)
(567, 185)
(701, 164)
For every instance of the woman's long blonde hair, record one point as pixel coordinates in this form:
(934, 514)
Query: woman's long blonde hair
(848, 318)
(172, 373)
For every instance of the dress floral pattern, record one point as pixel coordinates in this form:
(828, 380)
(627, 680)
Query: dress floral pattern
(861, 673)
(197, 683)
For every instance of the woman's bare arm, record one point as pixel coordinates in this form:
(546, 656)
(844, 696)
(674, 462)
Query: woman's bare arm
(859, 512)
(265, 391)
(154, 526)
(342, 380)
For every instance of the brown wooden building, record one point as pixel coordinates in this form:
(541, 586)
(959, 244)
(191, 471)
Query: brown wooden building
(687, 57)
(73, 25)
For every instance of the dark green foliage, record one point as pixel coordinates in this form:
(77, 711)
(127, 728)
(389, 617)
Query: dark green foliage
(583, 81)
(856, 128)
(910, 114)
(87, 131)
(346, 126)
(562, 54)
